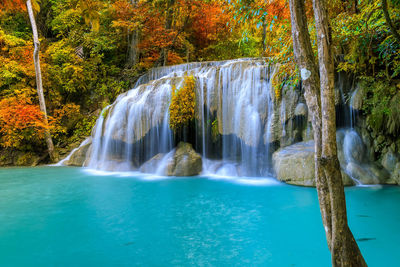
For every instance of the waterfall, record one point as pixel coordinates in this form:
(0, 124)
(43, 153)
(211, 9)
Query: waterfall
(239, 122)
(354, 106)
(66, 159)
(352, 152)
(234, 100)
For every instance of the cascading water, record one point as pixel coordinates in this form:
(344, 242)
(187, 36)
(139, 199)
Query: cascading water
(354, 106)
(239, 122)
(234, 99)
(352, 151)
(283, 116)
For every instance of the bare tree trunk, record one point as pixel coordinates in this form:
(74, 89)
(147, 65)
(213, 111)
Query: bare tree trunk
(163, 59)
(39, 84)
(354, 7)
(133, 42)
(264, 36)
(344, 249)
(389, 21)
(133, 48)
(187, 54)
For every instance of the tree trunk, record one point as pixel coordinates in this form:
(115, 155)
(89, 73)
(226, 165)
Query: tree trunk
(389, 21)
(264, 37)
(39, 84)
(344, 249)
(133, 48)
(187, 54)
(133, 42)
(354, 6)
(163, 60)
(310, 81)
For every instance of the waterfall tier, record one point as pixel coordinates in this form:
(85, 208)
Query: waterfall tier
(238, 119)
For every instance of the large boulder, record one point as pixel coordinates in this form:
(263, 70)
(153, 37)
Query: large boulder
(182, 161)
(185, 161)
(295, 165)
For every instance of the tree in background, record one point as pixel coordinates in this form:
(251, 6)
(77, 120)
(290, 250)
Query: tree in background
(133, 42)
(39, 83)
(31, 7)
(260, 14)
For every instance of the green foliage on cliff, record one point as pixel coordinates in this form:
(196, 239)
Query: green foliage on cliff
(382, 106)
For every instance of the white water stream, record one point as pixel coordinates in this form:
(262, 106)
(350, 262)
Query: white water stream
(235, 95)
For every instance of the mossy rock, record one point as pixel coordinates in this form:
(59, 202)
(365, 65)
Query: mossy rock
(27, 159)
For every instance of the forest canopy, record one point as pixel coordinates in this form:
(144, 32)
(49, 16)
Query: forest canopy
(93, 50)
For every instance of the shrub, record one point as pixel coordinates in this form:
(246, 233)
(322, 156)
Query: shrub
(183, 102)
(21, 122)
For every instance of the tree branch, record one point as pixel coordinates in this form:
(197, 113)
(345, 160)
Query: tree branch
(389, 21)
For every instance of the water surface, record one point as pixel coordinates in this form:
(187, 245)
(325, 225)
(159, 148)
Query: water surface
(58, 216)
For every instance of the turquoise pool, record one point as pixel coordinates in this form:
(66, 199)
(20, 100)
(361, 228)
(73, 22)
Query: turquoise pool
(59, 216)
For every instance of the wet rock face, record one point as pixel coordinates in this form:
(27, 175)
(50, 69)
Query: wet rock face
(356, 100)
(355, 159)
(363, 174)
(396, 174)
(288, 126)
(301, 110)
(353, 147)
(389, 161)
(152, 164)
(295, 164)
(78, 157)
(19, 158)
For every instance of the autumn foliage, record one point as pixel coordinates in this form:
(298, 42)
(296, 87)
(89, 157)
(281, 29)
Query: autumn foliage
(195, 25)
(21, 121)
(14, 5)
(183, 103)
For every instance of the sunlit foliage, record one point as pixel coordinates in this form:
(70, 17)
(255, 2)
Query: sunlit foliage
(183, 103)
(21, 122)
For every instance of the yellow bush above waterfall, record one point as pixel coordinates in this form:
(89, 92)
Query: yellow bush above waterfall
(183, 102)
